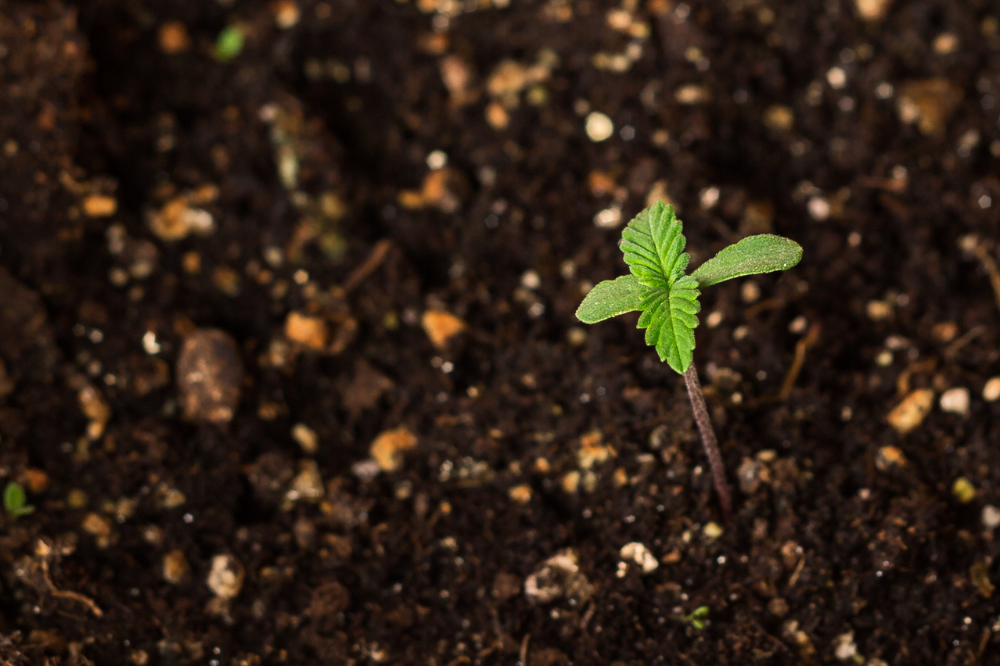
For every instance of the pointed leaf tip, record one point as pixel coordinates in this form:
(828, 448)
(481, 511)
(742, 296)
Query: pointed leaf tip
(753, 255)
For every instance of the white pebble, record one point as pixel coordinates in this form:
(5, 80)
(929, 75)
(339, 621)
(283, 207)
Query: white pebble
(837, 78)
(638, 553)
(709, 197)
(599, 126)
(991, 517)
(437, 159)
(819, 208)
(226, 577)
(531, 280)
(991, 392)
(955, 401)
(845, 648)
(609, 218)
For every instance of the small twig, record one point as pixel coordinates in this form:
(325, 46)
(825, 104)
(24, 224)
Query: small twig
(794, 578)
(971, 335)
(801, 347)
(990, 264)
(523, 654)
(764, 632)
(68, 594)
(708, 439)
(368, 266)
(762, 306)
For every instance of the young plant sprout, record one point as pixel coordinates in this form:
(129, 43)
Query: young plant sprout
(658, 286)
(15, 502)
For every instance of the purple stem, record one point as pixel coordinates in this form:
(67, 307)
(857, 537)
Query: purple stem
(708, 440)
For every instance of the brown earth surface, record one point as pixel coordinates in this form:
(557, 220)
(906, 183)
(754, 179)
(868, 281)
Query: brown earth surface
(290, 371)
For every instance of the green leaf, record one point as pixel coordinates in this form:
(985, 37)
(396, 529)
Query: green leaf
(669, 316)
(752, 255)
(229, 43)
(611, 298)
(15, 501)
(653, 244)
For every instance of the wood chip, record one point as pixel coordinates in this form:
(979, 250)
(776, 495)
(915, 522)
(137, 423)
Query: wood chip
(389, 446)
(441, 327)
(911, 412)
(306, 330)
(100, 205)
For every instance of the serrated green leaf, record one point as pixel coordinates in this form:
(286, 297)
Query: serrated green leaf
(653, 244)
(611, 298)
(669, 316)
(752, 255)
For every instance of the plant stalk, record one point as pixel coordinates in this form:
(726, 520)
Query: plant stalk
(708, 439)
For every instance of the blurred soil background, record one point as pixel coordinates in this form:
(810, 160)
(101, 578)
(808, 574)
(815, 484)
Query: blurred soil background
(290, 371)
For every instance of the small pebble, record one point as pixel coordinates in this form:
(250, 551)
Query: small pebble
(944, 331)
(226, 577)
(286, 13)
(531, 280)
(991, 517)
(911, 412)
(306, 330)
(209, 376)
(366, 470)
(308, 484)
(98, 527)
(872, 10)
(96, 409)
(306, 438)
(592, 451)
(963, 490)
(845, 649)
(836, 77)
(521, 493)
(819, 208)
(878, 310)
(712, 530)
(945, 43)
(889, 457)
(387, 449)
(779, 118)
(750, 292)
(175, 567)
(441, 327)
(559, 576)
(748, 474)
(778, 607)
(497, 116)
(692, 94)
(35, 480)
(638, 553)
(174, 38)
(100, 205)
(177, 219)
(599, 127)
(955, 401)
(991, 391)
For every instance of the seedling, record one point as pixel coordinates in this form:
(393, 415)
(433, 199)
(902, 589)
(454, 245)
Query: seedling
(658, 286)
(15, 502)
(698, 618)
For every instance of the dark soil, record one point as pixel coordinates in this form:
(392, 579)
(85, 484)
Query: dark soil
(230, 514)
